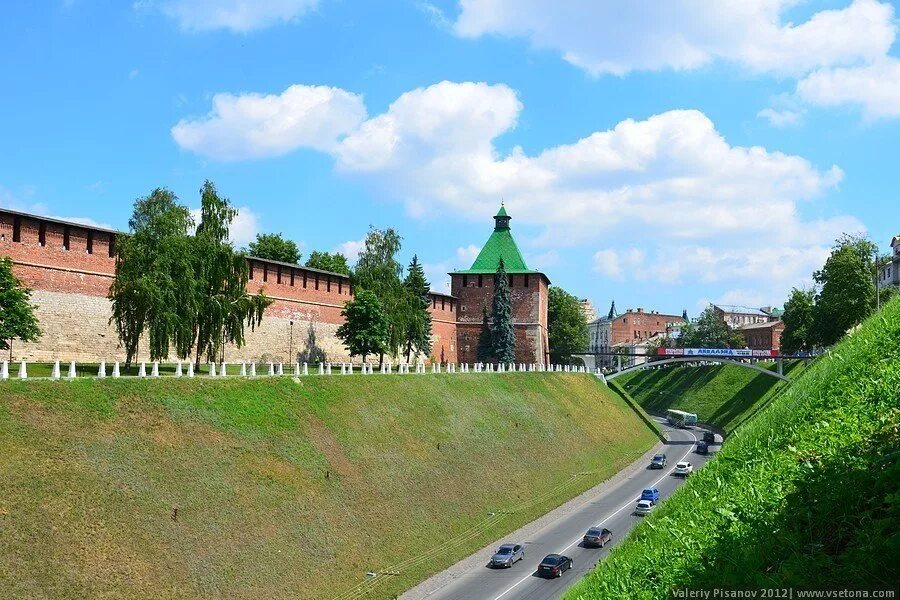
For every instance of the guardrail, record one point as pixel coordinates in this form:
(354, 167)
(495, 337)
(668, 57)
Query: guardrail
(144, 369)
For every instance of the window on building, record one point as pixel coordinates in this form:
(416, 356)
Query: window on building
(340, 286)
(480, 281)
(442, 304)
(66, 233)
(526, 280)
(112, 245)
(17, 229)
(293, 273)
(304, 279)
(328, 283)
(90, 242)
(278, 275)
(465, 281)
(42, 234)
(317, 280)
(251, 270)
(265, 272)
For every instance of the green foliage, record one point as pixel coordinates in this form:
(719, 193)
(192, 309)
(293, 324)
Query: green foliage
(154, 289)
(334, 262)
(223, 304)
(566, 326)
(274, 246)
(846, 289)
(417, 335)
(803, 495)
(378, 271)
(365, 328)
(709, 331)
(17, 320)
(798, 322)
(503, 337)
(92, 469)
(484, 351)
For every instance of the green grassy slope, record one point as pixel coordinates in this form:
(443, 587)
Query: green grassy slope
(90, 471)
(720, 395)
(805, 494)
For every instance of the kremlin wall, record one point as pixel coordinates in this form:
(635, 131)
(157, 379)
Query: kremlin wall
(70, 266)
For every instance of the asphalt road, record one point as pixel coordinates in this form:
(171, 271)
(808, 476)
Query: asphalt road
(611, 510)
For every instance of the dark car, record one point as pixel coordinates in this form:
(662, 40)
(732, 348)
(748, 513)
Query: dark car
(658, 461)
(709, 437)
(702, 448)
(597, 537)
(507, 555)
(554, 565)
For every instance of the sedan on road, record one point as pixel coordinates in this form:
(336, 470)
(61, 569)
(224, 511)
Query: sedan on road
(644, 507)
(596, 537)
(554, 565)
(658, 461)
(507, 555)
(651, 495)
(702, 448)
(683, 469)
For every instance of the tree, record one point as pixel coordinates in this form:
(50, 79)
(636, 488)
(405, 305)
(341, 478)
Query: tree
(17, 320)
(223, 304)
(378, 271)
(335, 262)
(484, 351)
(273, 246)
(846, 289)
(798, 322)
(417, 335)
(503, 336)
(566, 326)
(365, 327)
(709, 331)
(154, 289)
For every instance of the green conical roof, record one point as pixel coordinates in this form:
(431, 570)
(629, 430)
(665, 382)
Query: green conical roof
(500, 245)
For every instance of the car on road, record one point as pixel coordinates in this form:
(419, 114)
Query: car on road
(651, 495)
(644, 507)
(507, 555)
(597, 537)
(658, 461)
(709, 437)
(554, 565)
(683, 469)
(702, 448)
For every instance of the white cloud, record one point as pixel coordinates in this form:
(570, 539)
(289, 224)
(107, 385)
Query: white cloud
(609, 37)
(467, 255)
(437, 272)
(780, 118)
(244, 226)
(874, 87)
(351, 249)
(615, 264)
(249, 126)
(239, 16)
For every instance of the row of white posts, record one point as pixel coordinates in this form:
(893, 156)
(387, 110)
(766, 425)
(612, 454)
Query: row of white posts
(277, 369)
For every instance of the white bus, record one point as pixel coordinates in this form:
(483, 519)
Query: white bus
(679, 418)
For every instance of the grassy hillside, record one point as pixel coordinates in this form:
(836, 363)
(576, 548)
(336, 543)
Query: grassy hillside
(721, 395)
(285, 488)
(805, 494)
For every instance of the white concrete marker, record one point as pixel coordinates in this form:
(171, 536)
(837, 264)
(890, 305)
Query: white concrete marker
(4, 370)
(23, 370)
(117, 373)
(101, 371)
(243, 368)
(178, 371)
(142, 370)
(252, 369)
(55, 373)
(305, 369)
(222, 370)
(72, 372)
(271, 369)
(212, 369)
(280, 369)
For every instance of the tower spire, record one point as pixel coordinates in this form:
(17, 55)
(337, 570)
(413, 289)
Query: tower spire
(501, 219)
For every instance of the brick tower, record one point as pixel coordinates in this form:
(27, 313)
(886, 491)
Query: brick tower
(474, 288)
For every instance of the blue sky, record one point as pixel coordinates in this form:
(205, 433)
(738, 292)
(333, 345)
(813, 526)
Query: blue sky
(661, 158)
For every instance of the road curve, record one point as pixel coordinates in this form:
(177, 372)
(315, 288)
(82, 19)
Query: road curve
(611, 509)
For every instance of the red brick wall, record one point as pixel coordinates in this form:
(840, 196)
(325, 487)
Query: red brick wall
(529, 313)
(312, 300)
(764, 338)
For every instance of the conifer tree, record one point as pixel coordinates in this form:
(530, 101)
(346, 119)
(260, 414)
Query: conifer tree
(484, 352)
(502, 333)
(417, 335)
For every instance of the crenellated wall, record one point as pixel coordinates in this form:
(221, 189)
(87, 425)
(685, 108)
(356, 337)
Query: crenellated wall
(70, 267)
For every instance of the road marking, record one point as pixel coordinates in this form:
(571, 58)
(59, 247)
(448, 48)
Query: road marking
(527, 577)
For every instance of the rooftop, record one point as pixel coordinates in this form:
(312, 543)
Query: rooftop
(499, 246)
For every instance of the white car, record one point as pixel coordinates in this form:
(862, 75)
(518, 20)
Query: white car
(684, 469)
(644, 507)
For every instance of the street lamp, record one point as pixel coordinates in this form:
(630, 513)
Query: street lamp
(291, 342)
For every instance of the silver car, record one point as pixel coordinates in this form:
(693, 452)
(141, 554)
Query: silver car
(507, 555)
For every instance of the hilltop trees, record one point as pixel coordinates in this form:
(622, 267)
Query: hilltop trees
(798, 322)
(274, 246)
(17, 320)
(566, 326)
(709, 331)
(846, 288)
(417, 333)
(378, 271)
(503, 337)
(328, 261)
(182, 291)
(365, 329)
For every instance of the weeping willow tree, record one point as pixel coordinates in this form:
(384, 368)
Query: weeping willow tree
(179, 291)
(224, 307)
(154, 291)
